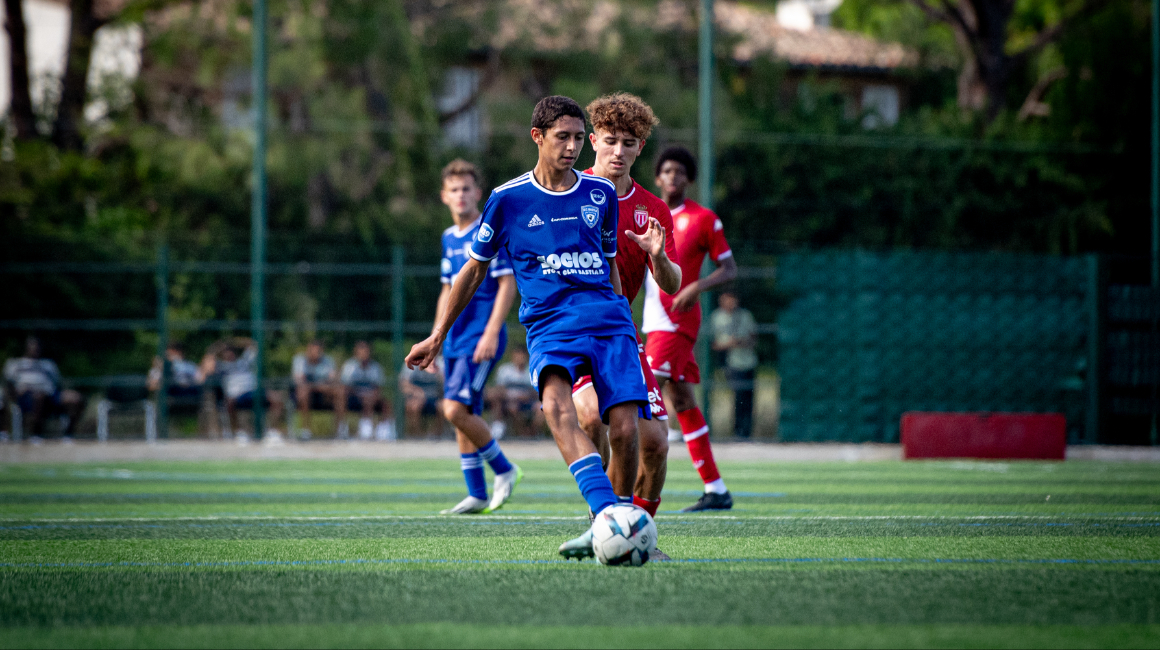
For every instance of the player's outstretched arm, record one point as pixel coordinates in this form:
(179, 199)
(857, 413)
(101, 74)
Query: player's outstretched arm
(665, 270)
(726, 271)
(469, 278)
(505, 295)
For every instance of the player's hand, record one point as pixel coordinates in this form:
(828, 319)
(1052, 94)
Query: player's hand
(686, 299)
(486, 348)
(423, 353)
(653, 239)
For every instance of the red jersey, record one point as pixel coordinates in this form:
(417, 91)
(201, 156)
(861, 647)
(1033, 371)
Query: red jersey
(698, 232)
(631, 260)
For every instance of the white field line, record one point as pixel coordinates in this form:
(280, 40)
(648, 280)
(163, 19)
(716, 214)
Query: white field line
(371, 518)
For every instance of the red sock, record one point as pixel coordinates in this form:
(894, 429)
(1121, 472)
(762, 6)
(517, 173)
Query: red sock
(649, 506)
(697, 440)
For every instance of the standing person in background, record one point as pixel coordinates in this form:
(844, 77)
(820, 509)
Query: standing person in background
(473, 344)
(363, 379)
(316, 385)
(37, 388)
(735, 334)
(672, 322)
(239, 380)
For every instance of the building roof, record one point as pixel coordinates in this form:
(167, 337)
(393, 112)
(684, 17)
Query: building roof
(568, 25)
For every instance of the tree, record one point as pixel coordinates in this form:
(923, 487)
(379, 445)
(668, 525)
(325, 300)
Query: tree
(982, 33)
(21, 102)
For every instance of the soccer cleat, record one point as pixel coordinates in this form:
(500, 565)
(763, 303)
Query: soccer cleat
(658, 555)
(579, 548)
(469, 506)
(504, 484)
(711, 501)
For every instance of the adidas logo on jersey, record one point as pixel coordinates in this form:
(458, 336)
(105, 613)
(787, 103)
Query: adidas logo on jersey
(536, 221)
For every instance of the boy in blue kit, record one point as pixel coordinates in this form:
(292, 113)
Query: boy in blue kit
(473, 344)
(558, 228)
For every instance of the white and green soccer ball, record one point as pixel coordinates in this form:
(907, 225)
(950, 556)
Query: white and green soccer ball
(623, 535)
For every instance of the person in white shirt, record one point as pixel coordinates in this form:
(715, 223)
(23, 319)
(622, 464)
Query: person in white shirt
(515, 398)
(316, 386)
(185, 377)
(237, 374)
(37, 388)
(363, 379)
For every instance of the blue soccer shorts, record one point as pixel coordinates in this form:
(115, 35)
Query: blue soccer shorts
(466, 379)
(612, 361)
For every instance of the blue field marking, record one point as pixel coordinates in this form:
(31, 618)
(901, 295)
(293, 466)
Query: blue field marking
(404, 561)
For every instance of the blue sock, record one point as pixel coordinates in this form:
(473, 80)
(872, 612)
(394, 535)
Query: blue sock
(494, 457)
(593, 482)
(627, 499)
(473, 473)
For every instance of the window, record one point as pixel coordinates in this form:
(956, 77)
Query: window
(460, 88)
(880, 106)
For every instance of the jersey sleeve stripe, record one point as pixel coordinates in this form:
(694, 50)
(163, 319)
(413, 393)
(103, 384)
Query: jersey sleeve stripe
(497, 273)
(724, 255)
(478, 257)
(610, 255)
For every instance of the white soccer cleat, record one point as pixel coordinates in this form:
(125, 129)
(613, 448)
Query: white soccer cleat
(504, 485)
(469, 506)
(273, 438)
(366, 429)
(579, 548)
(242, 438)
(385, 431)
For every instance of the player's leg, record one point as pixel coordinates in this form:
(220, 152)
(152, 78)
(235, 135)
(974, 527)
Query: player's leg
(472, 466)
(654, 444)
(588, 411)
(341, 427)
(578, 451)
(696, 434)
(303, 392)
(463, 403)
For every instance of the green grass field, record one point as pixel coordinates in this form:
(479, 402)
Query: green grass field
(333, 554)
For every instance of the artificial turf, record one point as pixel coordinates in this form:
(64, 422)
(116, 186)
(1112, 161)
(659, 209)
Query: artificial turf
(332, 554)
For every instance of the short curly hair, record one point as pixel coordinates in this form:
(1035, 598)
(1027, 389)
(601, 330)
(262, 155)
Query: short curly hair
(678, 154)
(622, 112)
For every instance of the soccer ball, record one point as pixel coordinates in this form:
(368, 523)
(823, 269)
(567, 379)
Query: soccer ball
(623, 534)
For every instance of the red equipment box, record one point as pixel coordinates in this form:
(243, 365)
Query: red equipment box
(984, 435)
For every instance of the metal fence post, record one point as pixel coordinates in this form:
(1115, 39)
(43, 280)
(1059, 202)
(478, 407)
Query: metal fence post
(398, 307)
(258, 215)
(1097, 313)
(705, 185)
(162, 281)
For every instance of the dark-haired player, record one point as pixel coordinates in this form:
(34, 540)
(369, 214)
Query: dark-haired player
(672, 321)
(558, 228)
(620, 125)
(473, 344)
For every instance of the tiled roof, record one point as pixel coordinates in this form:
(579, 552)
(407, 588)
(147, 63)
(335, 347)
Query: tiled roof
(563, 25)
(760, 32)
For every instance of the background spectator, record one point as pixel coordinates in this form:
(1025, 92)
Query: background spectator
(316, 386)
(185, 377)
(36, 387)
(234, 361)
(515, 398)
(735, 334)
(363, 378)
(422, 393)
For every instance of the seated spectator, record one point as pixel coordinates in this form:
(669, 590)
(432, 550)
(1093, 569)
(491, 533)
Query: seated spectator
(422, 394)
(363, 379)
(36, 387)
(238, 376)
(316, 386)
(515, 398)
(185, 378)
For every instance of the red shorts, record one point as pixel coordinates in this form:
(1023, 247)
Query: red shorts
(670, 355)
(655, 401)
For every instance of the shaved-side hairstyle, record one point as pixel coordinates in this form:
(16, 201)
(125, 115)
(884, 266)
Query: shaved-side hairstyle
(622, 112)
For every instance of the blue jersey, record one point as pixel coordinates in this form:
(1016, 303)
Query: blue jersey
(467, 329)
(561, 246)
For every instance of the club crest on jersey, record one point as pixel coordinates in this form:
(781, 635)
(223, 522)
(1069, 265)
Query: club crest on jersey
(485, 233)
(597, 197)
(640, 216)
(591, 214)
